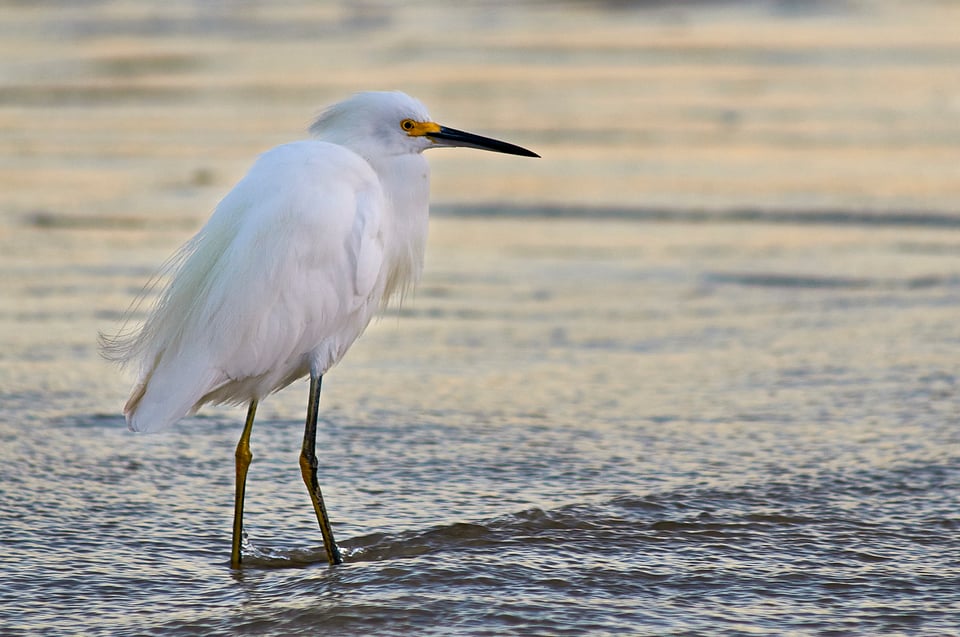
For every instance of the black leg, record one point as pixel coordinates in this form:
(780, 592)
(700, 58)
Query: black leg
(244, 456)
(308, 468)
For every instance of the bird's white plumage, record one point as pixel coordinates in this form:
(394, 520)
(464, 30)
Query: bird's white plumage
(288, 271)
(290, 268)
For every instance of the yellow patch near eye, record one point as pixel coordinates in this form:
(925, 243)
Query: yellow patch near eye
(419, 129)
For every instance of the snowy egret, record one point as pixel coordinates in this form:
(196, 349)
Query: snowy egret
(287, 273)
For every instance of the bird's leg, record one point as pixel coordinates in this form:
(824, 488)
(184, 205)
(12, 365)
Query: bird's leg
(308, 468)
(244, 456)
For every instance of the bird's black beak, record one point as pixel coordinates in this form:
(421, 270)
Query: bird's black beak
(453, 137)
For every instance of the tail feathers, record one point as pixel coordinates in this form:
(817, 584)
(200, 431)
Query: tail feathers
(165, 396)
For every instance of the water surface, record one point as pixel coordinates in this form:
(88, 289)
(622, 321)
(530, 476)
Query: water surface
(697, 376)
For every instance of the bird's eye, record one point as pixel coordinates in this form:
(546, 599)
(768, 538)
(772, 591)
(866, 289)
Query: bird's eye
(407, 124)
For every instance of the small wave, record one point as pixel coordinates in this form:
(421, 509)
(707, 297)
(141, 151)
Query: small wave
(580, 527)
(809, 511)
(777, 280)
(838, 217)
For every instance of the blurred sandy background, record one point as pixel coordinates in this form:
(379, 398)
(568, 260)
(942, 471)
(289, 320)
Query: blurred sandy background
(123, 111)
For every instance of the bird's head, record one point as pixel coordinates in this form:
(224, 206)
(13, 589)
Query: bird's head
(390, 122)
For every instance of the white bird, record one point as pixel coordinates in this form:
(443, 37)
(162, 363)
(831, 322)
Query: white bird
(291, 267)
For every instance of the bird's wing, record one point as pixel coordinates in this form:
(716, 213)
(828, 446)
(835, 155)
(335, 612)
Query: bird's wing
(289, 263)
(302, 266)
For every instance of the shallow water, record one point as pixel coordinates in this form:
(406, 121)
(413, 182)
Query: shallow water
(576, 426)
(639, 417)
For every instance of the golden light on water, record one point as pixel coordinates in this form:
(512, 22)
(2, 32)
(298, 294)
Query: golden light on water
(693, 370)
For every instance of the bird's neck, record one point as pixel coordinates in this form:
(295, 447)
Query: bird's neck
(406, 182)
